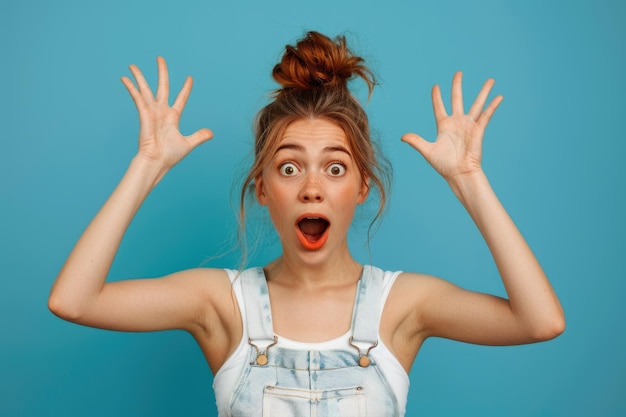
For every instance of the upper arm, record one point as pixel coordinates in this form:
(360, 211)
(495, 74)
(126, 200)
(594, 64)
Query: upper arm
(441, 309)
(182, 300)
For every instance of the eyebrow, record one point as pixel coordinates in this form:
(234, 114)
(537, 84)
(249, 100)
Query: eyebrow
(300, 148)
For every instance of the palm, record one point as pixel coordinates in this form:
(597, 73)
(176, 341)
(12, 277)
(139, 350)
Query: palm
(458, 147)
(159, 135)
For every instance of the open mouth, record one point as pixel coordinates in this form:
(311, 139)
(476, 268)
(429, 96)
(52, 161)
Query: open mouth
(312, 231)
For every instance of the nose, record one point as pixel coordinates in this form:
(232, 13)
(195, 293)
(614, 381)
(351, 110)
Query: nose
(311, 190)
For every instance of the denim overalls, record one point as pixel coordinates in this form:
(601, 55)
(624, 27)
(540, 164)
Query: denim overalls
(279, 382)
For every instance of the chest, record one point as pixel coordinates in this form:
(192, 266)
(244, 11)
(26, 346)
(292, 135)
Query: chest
(312, 316)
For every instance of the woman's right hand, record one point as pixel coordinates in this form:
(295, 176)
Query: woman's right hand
(160, 139)
(80, 292)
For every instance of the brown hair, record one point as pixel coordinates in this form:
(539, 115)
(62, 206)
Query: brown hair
(314, 76)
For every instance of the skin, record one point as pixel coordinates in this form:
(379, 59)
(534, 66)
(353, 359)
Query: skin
(309, 289)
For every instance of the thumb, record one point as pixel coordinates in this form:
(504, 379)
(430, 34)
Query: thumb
(418, 143)
(200, 136)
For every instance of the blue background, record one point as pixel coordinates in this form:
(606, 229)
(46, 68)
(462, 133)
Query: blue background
(553, 152)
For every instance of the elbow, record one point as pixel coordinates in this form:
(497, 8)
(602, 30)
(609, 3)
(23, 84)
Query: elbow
(549, 328)
(63, 309)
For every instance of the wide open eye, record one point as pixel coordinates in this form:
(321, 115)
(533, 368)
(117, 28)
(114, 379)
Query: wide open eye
(336, 169)
(288, 169)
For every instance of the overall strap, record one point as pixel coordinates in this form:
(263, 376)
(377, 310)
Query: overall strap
(367, 311)
(258, 312)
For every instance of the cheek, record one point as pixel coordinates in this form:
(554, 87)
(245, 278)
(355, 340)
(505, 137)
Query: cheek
(277, 202)
(279, 217)
(275, 196)
(347, 198)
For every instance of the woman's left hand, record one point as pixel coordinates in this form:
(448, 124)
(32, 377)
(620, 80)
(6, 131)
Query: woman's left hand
(533, 312)
(457, 150)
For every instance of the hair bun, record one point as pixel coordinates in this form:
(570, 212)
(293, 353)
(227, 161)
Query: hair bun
(317, 61)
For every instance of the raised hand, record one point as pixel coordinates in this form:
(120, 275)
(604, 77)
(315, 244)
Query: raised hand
(160, 139)
(457, 150)
(81, 293)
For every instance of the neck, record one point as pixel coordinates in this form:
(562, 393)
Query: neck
(339, 269)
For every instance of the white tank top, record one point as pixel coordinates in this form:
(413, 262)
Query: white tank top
(228, 375)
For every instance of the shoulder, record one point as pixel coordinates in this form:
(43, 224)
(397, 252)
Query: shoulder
(420, 288)
(223, 288)
(422, 282)
(412, 294)
(208, 289)
(213, 283)
(200, 278)
(400, 281)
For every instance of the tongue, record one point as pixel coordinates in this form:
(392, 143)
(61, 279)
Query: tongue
(313, 228)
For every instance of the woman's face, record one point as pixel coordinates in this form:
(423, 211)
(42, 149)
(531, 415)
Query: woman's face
(312, 187)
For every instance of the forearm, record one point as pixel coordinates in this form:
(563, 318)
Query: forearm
(82, 277)
(532, 299)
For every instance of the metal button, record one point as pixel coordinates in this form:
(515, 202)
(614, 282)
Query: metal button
(261, 359)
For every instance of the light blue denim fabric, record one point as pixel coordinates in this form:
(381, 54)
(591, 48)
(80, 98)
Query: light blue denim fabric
(303, 383)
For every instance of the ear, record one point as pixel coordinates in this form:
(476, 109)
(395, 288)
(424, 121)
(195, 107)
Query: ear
(364, 191)
(259, 191)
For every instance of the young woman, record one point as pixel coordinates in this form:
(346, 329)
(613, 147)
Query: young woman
(313, 332)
